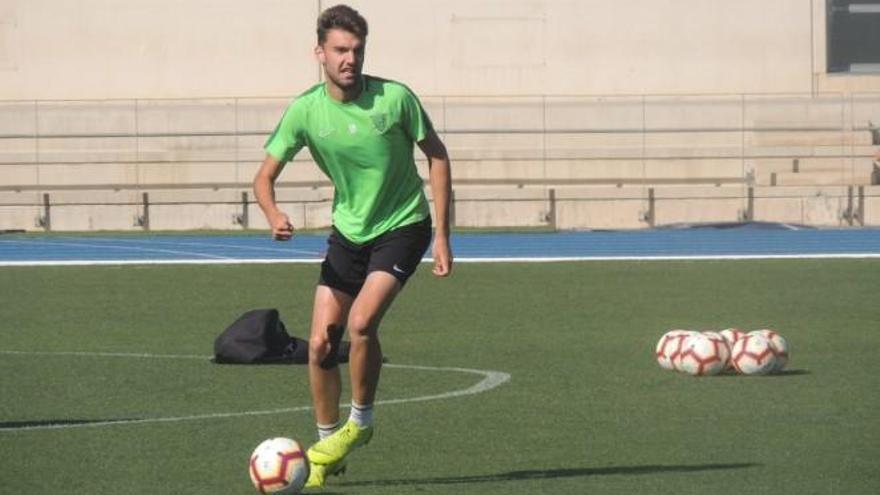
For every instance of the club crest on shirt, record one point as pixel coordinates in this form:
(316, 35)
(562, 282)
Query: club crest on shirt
(380, 121)
(352, 128)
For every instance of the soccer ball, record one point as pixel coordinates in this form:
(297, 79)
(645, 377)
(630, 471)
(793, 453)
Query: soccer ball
(279, 465)
(752, 355)
(723, 347)
(669, 347)
(778, 345)
(703, 355)
(731, 335)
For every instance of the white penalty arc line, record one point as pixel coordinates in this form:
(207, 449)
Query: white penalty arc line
(491, 379)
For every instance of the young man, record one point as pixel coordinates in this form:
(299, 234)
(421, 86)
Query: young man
(360, 130)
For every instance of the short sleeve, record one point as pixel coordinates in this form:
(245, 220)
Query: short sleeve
(288, 137)
(414, 119)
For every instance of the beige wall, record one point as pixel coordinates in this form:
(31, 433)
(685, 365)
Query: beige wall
(86, 49)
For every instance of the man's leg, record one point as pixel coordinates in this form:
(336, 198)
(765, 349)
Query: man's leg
(329, 313)
(365, 356)
(365, 363)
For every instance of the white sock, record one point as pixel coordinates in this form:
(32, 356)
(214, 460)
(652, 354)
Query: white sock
(325, 431)
(360, 415)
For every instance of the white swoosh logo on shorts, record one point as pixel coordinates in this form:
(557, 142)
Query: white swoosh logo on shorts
(397, 269)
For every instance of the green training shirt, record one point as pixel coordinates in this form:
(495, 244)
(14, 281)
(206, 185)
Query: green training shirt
(365, 147)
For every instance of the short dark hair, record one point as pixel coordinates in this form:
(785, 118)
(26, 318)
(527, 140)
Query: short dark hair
(341, 17)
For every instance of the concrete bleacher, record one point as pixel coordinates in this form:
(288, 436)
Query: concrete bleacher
(814, 171)
(567, 162)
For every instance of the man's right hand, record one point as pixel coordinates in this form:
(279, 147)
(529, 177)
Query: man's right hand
(282, 229)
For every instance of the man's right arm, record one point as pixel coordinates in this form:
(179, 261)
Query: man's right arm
(264, 189)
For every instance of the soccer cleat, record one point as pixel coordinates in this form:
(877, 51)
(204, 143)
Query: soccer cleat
(318, 473)
(336, 447)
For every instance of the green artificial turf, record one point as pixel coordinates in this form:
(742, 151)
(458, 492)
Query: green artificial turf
(586, 410)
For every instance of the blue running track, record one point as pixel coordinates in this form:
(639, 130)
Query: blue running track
(701, 243)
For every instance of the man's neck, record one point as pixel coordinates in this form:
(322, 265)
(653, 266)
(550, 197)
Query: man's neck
(342, 94)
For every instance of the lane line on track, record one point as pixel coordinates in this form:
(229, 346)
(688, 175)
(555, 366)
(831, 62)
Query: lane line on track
(231, 246)
(124, 248)
(545, 259)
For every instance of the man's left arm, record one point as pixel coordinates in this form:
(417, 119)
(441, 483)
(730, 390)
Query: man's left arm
(440, 176)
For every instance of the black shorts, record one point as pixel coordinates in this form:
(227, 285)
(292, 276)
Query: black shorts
(397, 252)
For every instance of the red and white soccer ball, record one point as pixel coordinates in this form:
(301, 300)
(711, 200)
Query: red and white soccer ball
(723, 347)
(731, 335)
(279, 465)
(670, 346)
(703, 355)
(778, 345)
(753, 355)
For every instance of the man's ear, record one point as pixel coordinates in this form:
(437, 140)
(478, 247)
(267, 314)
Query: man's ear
(319, 53)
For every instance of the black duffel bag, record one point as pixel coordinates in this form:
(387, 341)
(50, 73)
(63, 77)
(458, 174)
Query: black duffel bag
(259, 337)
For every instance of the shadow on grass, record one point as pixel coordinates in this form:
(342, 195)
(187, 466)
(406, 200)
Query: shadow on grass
(783, 373)
(554, 474)
(48, 423)
(794, 372)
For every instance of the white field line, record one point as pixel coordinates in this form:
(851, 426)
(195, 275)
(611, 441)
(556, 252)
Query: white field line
(491, 379)
(124, 248)
(204, 244)
(224, 261)
(512, 259)
(707, 257)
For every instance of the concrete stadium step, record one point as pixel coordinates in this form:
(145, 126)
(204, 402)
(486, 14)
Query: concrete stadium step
(805, 164)
(806, 137)
(820, 178)
(814, 171)
(863, 151)
(603, 171)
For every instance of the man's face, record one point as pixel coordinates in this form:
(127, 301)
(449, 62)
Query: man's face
(342, 56)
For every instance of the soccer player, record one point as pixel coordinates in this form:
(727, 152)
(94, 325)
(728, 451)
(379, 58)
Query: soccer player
(361, 131)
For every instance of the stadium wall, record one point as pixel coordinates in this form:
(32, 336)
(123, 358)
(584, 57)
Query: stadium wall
(99, 49)
(566, 114)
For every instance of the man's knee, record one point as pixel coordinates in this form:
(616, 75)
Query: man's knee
(361, 326)
(324, 348)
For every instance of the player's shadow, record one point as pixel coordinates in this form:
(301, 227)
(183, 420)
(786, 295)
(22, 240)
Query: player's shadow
(783, 373)
(555, 474)
(48, 423)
